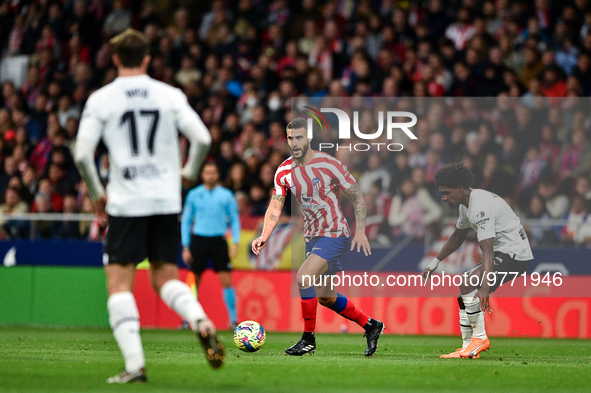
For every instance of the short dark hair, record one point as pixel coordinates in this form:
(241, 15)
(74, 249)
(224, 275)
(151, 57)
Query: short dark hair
(297, 123)
(131, 46)
(454, 175)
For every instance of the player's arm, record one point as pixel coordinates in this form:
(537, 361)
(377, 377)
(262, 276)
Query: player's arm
(89, 135)
(355, 195)
(451, 245)
(488, 254)
(270, 222)
(191, 125)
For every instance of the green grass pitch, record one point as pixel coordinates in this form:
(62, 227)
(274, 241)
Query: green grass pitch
(34, 359)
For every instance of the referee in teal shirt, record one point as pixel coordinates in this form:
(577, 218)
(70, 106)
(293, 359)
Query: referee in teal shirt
(209, 209)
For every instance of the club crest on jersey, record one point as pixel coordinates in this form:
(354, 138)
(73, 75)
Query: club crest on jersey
(316, 183)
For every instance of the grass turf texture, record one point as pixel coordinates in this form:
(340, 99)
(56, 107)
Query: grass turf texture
(80, 359)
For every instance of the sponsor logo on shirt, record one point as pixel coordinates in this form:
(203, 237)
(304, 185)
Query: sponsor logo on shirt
(146, 171)
(481, 223)
(307, 202)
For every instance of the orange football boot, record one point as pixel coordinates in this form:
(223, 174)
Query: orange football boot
(455, 355)
(476, 346)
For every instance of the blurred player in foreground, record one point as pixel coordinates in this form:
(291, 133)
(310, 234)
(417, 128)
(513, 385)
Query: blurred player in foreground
(315, 179)
(209, 209)
(137, 118)
(506, 252)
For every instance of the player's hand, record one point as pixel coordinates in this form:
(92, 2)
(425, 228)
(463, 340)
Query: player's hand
(99, 210)
(429, 270)
(187, 257)
(426, 275)
(233, 251)
(484, 300)
(360, 240)
(258, 244)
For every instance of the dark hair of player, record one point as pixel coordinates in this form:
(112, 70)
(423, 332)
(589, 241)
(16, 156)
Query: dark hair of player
(131, 46)
(454, 175)
(297, 123)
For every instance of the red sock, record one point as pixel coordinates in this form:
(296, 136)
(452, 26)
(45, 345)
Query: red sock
(309, 307)
(354, 314)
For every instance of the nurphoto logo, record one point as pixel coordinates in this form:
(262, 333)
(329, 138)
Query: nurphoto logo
(392, 122)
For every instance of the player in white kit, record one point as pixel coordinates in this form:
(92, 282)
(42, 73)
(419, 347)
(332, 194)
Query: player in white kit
(137, 118)
(506, 252)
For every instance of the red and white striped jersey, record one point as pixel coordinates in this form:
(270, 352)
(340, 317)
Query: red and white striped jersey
(316, 187)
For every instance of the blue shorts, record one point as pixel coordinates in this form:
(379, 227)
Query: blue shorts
(330, 249)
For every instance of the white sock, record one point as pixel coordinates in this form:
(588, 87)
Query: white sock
(475, 316)
(124, 319)
(465, 328)
(178, 296)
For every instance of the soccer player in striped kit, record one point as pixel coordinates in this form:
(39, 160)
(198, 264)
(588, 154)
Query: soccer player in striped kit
(315, 179)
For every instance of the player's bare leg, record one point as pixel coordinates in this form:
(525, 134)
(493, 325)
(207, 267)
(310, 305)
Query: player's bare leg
(125, 323)
(466, 330)
(178, 296)
(479, 342)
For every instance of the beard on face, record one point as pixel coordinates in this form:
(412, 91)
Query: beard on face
(304, 149)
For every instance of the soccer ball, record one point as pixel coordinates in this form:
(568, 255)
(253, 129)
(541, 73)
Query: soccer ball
(249, 336)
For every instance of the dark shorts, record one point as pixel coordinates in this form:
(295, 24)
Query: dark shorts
(133, 239)
(506, 268)
(330, 249)
(205, 248)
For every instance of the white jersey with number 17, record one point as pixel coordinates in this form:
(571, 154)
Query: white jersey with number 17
(138, 119)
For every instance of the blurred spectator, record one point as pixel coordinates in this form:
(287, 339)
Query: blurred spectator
(66, 229)
(374, 219)
(495, 178)
(399, 171)
(375, 173)
(14, 229)
(66, 111)
(43, 228)
(583, 188)
(462, 30)
(258, 199)
(575, 159)
(549, 148)
(576, 217)
(406, 213)
(531, 169)
(117, 21)
(510, 155)
(539, 234)
(47, 191)
(30, 180)
(237, 180)
(556, 203)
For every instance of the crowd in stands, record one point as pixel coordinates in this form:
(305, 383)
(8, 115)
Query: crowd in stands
(240, 61)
